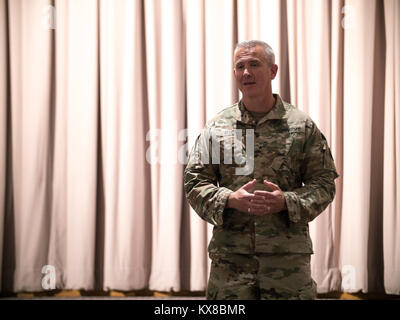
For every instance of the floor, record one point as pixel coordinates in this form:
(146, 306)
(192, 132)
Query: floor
(153, 295)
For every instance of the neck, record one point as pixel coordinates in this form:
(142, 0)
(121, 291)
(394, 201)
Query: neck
(259, 104)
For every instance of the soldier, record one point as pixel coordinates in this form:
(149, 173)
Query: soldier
(260, 171)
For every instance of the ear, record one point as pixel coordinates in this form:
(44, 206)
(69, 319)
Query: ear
(274, 71)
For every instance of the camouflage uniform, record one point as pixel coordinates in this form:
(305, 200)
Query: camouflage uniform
(260, 276)
(289, 151)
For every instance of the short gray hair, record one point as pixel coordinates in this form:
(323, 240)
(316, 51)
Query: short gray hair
(269, 53)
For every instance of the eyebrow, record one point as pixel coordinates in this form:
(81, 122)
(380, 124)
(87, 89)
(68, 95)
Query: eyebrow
(249, 60)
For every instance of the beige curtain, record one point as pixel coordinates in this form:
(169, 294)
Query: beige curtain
(391, 148)
(101, 100)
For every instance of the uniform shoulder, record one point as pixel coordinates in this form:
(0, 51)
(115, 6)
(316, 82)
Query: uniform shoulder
(296, 115)
(224, 117)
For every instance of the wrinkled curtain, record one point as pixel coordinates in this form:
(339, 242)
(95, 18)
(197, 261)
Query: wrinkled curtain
(100, 101)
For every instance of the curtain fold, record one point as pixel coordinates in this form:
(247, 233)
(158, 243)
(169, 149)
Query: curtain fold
(101, 101)
(391, 190)
(3, 121)
(127, 245)
(332, 279)
(194, 230)
(76, 138)
(166, 114)
(359, 187)
(30, 92)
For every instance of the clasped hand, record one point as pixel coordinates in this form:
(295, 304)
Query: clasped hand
(259, 202)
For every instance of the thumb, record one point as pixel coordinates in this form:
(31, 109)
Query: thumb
(249, 185)
(271, 185)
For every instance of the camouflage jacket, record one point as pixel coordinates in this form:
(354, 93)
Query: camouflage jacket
(289, 150)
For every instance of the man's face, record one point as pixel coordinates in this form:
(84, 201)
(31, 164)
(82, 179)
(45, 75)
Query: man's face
(252, 72)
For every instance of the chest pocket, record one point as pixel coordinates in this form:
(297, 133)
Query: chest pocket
(229, 152)
(285, 150)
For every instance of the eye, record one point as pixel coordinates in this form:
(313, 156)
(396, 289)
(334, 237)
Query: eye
(254, 63)
(239, 66)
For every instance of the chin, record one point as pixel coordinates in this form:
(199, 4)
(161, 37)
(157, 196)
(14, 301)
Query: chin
(251, 93)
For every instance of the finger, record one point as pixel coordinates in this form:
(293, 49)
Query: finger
(255, 209)
(257, 197)
(269, 196)
(247, 197)
(271, 185)
(249, 185)
(262, 209)
(261, 193)
(254, 206)
(259, 202)
(261, 212)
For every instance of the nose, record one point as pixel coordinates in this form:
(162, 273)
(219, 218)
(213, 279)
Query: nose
(246, 72)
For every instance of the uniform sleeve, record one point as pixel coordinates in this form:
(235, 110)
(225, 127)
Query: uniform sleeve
(318, 175)
(201, 183)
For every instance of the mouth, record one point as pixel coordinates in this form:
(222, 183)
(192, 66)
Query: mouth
(249, 83)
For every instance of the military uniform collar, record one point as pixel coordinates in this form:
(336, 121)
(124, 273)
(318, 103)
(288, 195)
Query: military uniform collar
(277, 112)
